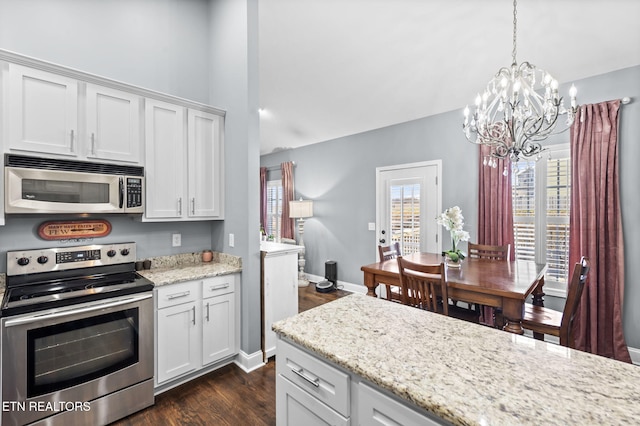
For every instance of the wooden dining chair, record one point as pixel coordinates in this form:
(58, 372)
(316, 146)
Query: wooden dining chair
(392, 251)
(418, 285)
(490, 252)
(543, 320)
(425, 287)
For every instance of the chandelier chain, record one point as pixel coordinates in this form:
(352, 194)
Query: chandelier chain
(515, 22)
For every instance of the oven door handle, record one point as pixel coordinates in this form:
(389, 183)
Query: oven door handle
(74, 311)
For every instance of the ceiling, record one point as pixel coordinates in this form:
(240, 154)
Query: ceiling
(332, 68)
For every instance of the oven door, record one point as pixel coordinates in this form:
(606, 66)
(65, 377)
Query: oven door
(63, 358)
(55, 191)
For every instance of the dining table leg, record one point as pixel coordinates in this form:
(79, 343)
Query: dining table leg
(371, 284)
(512, 311)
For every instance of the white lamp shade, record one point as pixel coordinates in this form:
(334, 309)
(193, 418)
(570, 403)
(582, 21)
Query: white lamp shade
(301, 208)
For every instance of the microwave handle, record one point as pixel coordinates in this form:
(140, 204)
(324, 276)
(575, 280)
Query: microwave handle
(121, 183)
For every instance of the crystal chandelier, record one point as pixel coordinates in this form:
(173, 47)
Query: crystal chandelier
(518, 109)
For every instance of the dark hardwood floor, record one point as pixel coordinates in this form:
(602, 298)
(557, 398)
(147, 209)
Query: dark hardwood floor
(227, 396)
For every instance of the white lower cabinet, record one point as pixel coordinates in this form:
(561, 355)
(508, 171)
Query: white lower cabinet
(196, 326)
(312, 391)
(177, 341)
(279, 279)
(309, 391)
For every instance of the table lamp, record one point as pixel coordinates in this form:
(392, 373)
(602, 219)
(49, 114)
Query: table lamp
(300, 210)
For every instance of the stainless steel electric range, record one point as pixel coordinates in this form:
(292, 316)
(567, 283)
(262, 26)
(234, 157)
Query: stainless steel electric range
(77, 336)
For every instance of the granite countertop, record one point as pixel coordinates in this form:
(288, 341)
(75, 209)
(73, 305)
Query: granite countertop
(466, 373)
(186, 267)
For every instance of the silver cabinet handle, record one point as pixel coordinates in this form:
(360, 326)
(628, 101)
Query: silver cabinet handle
(193, 206)
(178, 295)
(194, 314)
(315, 382)
(72, 141)
(207, 311)
(93, 144)
(180, 206)
(218, 287)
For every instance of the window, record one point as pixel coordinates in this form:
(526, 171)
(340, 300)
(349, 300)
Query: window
(405, 215)
(274, 208)
(541, 201)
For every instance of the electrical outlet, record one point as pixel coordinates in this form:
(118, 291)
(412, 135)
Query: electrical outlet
(232, 240)
(176, 240)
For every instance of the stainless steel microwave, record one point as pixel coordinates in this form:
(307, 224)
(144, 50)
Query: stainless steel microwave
(45, 185)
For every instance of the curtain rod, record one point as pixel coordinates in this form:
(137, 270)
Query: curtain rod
(278, 167)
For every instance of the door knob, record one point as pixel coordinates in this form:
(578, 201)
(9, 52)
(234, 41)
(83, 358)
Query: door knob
(382, 240)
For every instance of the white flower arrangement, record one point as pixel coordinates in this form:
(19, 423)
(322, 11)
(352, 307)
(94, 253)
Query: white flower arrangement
(453, 221)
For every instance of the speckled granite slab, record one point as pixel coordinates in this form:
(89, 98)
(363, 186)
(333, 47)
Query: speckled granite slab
(465, 373)
(189, 266)
(3, 285)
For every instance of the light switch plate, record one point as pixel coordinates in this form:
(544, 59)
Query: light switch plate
(232, 240)
(372, 226)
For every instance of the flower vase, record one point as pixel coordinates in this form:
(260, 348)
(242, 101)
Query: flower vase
(452, 263)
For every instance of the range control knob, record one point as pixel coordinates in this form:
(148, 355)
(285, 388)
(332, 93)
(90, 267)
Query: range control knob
(124, 252)
(23, 261)
(111, 253)
(43, 259)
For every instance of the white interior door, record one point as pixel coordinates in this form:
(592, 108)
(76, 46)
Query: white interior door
(407, 202)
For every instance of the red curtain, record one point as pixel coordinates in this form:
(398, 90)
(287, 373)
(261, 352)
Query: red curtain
(263, 198)
(596, 229)
(287, 195)
(495, 211)
(495, 207)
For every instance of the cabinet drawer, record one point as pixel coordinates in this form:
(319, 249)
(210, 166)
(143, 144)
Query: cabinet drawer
(323, 381)
(176, 294)
(376, 408)
(215, 286)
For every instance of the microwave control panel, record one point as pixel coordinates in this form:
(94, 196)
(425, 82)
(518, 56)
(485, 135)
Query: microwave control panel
(134, 192)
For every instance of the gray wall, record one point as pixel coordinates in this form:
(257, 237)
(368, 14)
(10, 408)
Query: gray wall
(234, 87)
(339, 175)
(202, 50)
(157, 44)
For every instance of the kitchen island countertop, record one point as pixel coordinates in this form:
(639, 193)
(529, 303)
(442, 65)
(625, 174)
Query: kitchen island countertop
(465, 373)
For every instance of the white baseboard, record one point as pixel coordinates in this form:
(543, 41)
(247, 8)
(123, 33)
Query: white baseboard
(249, 362)
(635, 355)
(350, 287)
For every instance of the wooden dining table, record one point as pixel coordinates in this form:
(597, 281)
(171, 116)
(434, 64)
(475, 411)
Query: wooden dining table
(499, 284)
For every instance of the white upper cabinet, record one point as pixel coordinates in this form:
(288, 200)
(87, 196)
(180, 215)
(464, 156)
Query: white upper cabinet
(113, 124)
(205, 164)
(184, 169)
(165, 160)
(43, 111)
(54, 114)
